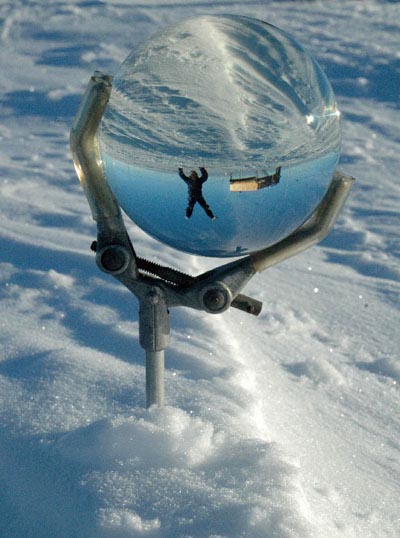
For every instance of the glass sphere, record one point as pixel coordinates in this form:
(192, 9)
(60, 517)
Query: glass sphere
(221, 135)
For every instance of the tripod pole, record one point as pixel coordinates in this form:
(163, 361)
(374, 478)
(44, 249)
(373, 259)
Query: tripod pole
(154, 331)
(154, 378)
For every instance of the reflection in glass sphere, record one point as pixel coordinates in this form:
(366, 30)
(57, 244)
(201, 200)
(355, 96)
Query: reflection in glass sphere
(221, 135)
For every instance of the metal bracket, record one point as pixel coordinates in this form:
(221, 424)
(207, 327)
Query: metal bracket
(158, 288)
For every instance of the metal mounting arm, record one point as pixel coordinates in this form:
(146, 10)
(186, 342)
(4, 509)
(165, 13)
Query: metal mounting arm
(158, 288)
(313, 231)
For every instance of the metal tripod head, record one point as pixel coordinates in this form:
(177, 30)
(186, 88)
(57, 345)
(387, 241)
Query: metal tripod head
(158, 288)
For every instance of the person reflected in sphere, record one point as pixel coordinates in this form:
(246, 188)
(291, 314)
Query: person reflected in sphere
(195, 191)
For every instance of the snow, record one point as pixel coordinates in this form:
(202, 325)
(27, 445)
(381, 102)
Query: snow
(281, 426)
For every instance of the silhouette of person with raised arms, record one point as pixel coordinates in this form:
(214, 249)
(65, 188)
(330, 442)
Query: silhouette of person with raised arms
(195, 191)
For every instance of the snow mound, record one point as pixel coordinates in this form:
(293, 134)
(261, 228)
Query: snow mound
(386, 367)
(165, 473)
(130, 523)
(165, 437)
(316, 369)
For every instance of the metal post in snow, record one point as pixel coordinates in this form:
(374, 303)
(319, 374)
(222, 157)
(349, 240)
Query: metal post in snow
(154, 330)
(154, 378)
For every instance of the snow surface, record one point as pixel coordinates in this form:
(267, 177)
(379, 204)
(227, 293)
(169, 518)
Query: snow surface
(277, 427)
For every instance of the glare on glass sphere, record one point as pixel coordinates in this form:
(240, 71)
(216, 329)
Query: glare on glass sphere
(221, 135)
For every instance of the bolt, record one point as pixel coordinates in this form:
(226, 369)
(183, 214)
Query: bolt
(113, 259)
(215, 299)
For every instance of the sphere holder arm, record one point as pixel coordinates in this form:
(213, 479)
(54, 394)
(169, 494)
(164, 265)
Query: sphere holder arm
(158, 288)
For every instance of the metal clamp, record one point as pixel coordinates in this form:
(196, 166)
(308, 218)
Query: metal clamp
(158, 288)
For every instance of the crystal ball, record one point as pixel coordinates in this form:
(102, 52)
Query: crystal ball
(221, 135)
